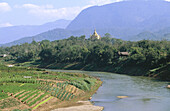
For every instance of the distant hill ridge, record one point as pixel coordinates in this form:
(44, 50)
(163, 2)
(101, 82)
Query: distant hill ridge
(9, 34)
(128, 20)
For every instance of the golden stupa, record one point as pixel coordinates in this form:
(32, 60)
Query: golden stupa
(95, 36)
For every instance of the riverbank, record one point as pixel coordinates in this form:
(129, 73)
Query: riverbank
(81, 106)
(129, 93)
(132, 69)
(128, 70)
(161, 73)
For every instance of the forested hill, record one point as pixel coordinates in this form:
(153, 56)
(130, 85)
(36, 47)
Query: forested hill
(128, 16)
(149, 58)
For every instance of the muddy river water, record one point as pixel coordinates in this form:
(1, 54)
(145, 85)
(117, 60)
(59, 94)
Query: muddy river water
(144, 94)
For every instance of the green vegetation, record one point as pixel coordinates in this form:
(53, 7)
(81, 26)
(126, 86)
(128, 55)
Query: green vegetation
(30, 94)
(23, 95)
(101, 55)
(3, 95)
(43, 102)
(32, 98)
(32, 86)
(7, 103)
(20, 93)
(58, 91)
(38, 99)
(22, 110)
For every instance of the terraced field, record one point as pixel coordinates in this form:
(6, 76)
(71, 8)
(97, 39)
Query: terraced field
(36, 91)
(60, 90)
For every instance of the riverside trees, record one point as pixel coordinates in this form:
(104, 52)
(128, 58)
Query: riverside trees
(99, 53)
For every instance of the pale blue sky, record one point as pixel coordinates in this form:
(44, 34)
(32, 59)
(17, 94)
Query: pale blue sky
(34, 12)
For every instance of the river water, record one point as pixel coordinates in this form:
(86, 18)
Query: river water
(144, 94)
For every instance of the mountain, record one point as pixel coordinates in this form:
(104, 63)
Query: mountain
(127, 20)
(125, 17)
(58, 34)
(55, 34)
(144, 35)
(163, 34)
(62, 23)
(9, 34)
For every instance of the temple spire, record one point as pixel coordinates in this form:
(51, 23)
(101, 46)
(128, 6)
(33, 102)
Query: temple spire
(95, 35)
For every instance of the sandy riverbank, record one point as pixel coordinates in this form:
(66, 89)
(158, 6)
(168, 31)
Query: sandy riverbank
(81, 106)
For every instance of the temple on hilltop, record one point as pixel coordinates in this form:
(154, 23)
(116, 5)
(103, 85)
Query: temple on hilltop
(95, 36)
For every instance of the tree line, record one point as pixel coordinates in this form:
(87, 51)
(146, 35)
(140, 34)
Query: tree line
(102, 53)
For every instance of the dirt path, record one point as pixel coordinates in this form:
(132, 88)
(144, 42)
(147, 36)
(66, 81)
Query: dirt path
(44, 98)
(18, 93)
(26, 96)
(30, 97)
(48, 80)
(35, 98)
(22, 95)
(48, 105)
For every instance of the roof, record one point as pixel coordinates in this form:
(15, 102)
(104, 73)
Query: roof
(124, 53)
(3, 55)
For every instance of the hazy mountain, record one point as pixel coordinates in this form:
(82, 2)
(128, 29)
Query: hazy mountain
(144, 35)
(58, 24)
(128, 20)
(58, 34)
(9, 34)
(51, 35)
(136, 15)
(163, 34)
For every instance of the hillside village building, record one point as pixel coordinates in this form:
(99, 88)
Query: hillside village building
(123, 54)
(95, 36)
(3, 55)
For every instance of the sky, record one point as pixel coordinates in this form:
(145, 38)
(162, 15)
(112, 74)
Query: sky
(36, 12)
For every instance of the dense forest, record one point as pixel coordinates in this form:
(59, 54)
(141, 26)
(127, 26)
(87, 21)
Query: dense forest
(144, 58)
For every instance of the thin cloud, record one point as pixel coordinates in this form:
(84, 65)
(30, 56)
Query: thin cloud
(4, 7)
(103, 2)
(48, 11)
(6, 24)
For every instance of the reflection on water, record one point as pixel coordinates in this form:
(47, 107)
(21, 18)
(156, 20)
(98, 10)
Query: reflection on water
(144, 94)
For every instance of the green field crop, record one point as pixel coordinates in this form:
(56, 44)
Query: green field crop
(62, 94)
(33, 97)
(15, 87)
(7, 103)
(31, 94)
(3, 95)
(14, 80)
(24, 95)
(38, 99)
(68, 97)
(20, 93)
(65, 96)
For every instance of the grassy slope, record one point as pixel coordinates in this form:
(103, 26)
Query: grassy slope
(12, 81)
(162, 73)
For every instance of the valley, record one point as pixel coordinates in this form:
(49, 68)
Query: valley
(90, 55)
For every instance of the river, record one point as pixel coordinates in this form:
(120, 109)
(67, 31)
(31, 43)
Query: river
(144, 94)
